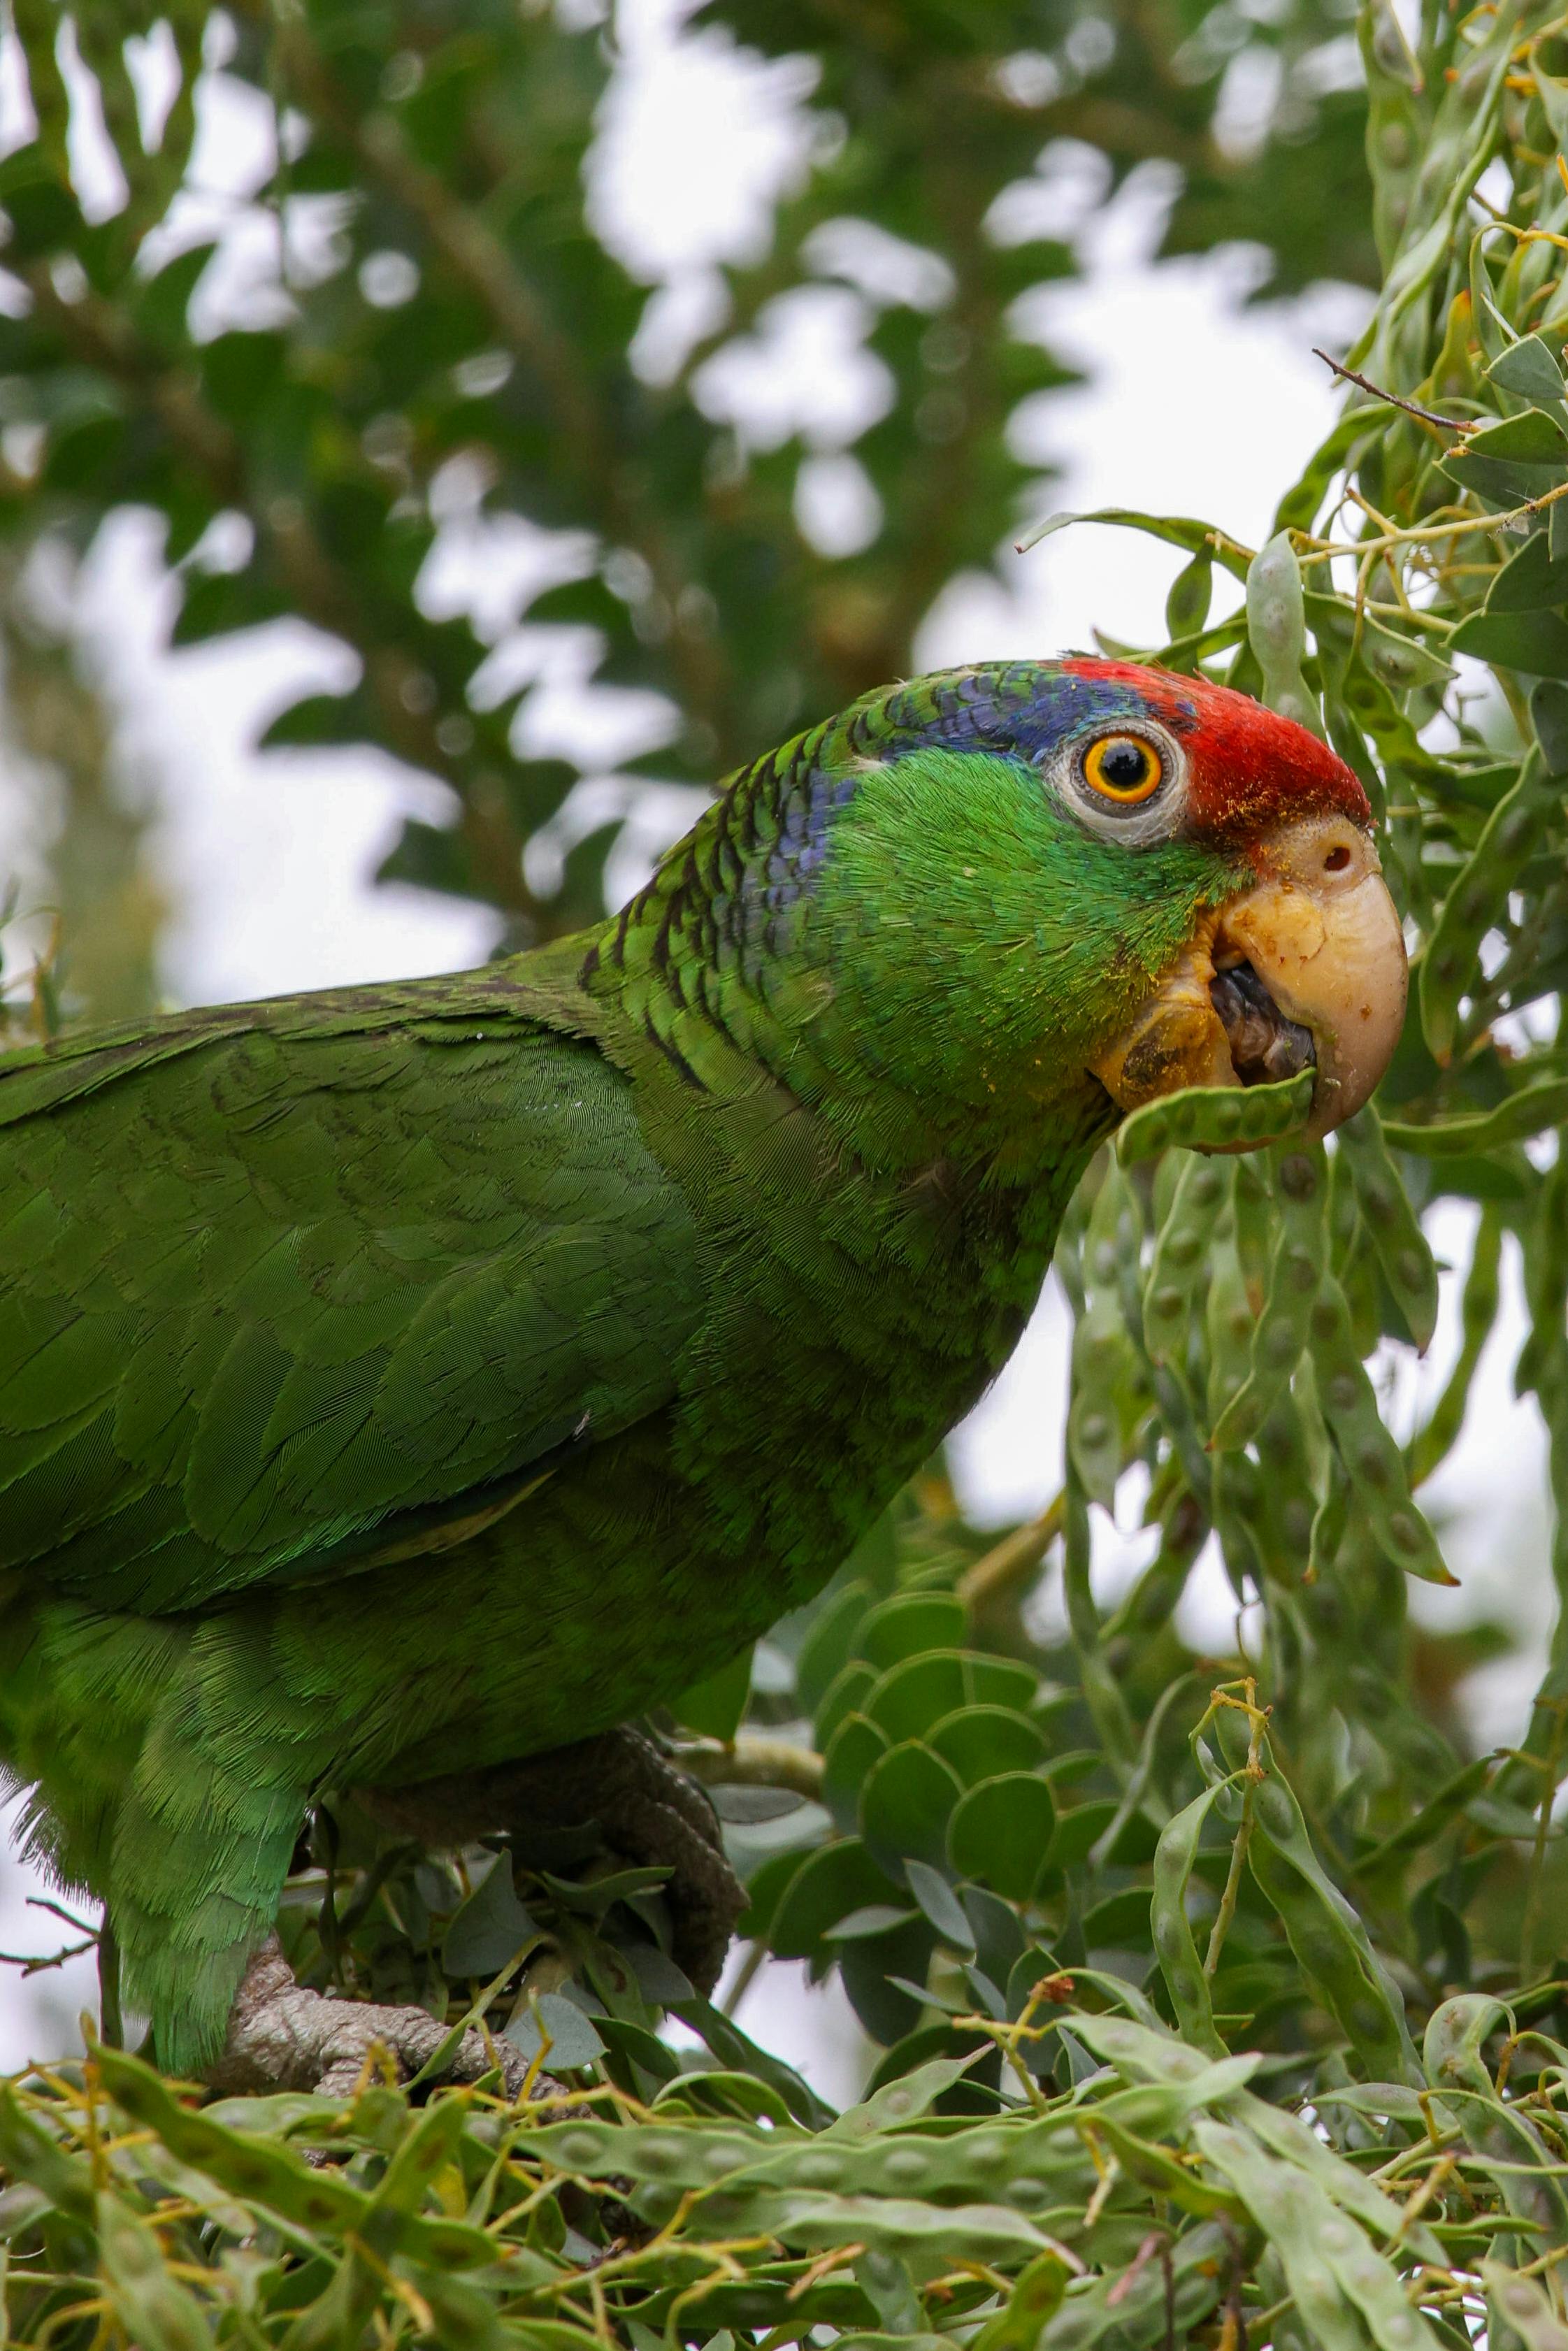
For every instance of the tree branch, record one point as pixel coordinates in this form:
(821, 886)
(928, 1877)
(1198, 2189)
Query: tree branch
(752, 1760)
(479, 260)
(101, 334)
(1393, 400)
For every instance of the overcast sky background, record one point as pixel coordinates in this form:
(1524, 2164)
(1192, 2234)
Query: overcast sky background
(1195, 405)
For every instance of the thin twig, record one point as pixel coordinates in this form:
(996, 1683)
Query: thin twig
(1549, 1770)
(1364, 383)
(1155, 2243)
(1009, 1562)
(745, 1975)
(111, 2021)
(1251, 1772)
(31, 1965)
(58, 1910)
(753, 1760)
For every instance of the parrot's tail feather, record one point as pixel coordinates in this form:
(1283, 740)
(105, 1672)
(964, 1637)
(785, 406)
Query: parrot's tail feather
(189, 1910)
(133, 1737)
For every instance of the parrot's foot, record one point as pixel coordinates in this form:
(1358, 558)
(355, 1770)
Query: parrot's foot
(648, 1810)
(282, 2037)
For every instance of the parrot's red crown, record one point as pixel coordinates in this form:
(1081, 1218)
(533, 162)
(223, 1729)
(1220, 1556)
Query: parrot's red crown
(1249, 767)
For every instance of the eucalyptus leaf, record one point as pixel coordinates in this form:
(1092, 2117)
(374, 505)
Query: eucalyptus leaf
(559, 2027)
(745, 1804)
(1529, 370)
(489, 1927)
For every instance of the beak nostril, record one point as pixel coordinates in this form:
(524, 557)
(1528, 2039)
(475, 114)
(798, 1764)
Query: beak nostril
(1337, 860)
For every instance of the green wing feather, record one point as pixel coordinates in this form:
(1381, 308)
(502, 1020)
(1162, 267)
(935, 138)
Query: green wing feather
(290, 1288)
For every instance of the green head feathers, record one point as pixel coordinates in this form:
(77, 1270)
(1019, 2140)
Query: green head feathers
(930, 914)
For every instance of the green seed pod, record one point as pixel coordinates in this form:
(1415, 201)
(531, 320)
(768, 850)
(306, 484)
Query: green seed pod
(1527, 1112)
(1373, 1462)
(1153, 2168)
(1329, 1522)
(1150, 1604)
(1492, 2130)
(1519, 2310)
(582, 2147)
(1236, 1505)
(1402, 663)
(1478, 1313)
(1376, 2289)
(154, 2309)
(240, 2161)
(1216, 1118)
(1174, 1946)
(1453, 375)
(1328, 1938)
(1229, 1326)
(1431, 1820)
(1285, 2135)
(1102, 1354)
(1101, 1691)
(1141, 1781)
(1360, 1277)
(32, 2155)
(1186, 606)
(1144, 2311)
(1168, 1178)
(1071, 1240)
(424, 2150)
(1477, 900)
(1285, 1487)
(276, 2177)
(1316, 1445)
(1293, 2212)
(1036, 2297)
(1392, 58)
(1549, 698)
(1396, 1236)
(1542, 1364)
(1301, 1194)
(1276, 630)
(1254, 1228)
(1181, 1252)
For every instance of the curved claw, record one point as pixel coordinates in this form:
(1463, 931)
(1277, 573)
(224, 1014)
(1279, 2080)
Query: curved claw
(282, 2036)
(647, 1809)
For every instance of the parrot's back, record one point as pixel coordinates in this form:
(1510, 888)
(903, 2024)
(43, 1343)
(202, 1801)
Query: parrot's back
(311, 1314)
(280, 1285)
(397, 1380)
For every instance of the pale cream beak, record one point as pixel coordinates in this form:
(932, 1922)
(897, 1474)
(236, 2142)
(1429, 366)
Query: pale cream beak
(1311, 969)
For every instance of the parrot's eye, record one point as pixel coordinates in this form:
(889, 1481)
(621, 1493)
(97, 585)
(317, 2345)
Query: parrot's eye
(1123, 768)
(1127, 783)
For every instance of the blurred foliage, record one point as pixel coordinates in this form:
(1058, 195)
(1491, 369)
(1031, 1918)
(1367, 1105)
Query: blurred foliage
(105, 897)
(444, 329)
(1213, 1997)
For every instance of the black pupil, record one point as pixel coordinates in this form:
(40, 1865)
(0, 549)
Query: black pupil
(1124, 767)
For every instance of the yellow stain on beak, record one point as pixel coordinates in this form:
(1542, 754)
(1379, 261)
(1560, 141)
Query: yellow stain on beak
(1312, 971)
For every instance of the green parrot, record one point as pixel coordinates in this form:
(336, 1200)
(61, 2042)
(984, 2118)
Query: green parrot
(402, 1381)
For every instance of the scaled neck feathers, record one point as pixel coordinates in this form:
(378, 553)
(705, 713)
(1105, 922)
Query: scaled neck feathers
(718, 963)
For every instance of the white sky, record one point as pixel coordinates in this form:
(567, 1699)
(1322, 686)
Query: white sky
(1194, 406)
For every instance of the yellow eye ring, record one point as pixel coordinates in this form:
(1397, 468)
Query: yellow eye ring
(1123, 767)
